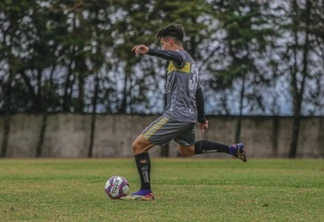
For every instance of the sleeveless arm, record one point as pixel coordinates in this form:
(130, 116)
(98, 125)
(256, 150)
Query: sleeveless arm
(200, 103)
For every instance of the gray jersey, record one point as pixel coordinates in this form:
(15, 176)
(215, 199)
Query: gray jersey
(181, 85)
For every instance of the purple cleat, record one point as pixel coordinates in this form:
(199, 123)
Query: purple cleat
(238, 151)
(145, 195)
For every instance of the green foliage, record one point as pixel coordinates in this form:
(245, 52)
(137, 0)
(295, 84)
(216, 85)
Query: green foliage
(212, 190)
(60, 46)
(247, 39)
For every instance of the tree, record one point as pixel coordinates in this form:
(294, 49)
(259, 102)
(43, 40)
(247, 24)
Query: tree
(12, 29)
(297, 53)
(243, 50)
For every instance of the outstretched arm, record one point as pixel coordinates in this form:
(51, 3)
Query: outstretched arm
(174, 56)
(165, 54)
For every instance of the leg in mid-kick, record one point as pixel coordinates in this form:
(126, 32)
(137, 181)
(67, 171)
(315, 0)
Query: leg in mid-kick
(204, 146)
(187, 146)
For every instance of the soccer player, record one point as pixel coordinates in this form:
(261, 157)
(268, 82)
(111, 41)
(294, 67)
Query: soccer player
(184, 108)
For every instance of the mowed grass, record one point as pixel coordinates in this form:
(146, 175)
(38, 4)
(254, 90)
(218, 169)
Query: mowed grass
(193, 189)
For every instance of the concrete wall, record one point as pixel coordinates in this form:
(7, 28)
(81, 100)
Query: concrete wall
(68, 135)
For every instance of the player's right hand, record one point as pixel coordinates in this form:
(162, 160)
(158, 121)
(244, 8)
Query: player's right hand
(140, 49)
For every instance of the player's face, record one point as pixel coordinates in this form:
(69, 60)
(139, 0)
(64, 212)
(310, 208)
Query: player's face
(167, 43)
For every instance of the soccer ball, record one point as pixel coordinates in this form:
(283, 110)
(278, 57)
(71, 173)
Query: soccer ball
(116, 187)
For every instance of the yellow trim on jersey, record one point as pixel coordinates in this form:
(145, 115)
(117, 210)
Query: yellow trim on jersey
(185, 69)
(147, 135)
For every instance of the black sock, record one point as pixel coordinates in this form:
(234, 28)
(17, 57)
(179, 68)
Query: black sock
(203, 146)
(143, 164)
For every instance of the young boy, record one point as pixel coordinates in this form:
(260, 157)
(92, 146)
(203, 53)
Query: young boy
(184, 108)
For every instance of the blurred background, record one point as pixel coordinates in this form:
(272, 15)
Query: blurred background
(70, 86)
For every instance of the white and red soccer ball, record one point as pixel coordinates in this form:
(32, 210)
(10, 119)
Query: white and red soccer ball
(116, 187)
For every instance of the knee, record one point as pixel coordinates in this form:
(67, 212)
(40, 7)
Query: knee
(186, 152)
(141, 145)
(136, 147)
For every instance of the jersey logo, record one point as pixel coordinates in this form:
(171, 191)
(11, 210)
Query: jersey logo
(185, 69)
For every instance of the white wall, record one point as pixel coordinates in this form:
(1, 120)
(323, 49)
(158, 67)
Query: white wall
(68, 135)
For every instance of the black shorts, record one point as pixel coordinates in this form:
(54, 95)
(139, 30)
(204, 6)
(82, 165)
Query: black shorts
(163, 130)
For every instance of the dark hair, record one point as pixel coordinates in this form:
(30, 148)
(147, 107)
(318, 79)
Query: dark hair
(175, 31)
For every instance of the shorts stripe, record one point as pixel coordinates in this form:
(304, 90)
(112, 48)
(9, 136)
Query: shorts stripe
(155, 127)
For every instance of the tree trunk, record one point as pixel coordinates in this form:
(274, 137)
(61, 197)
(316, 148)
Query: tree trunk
(41, 139)
(298, 93)
(275, 135)
(81, 93)
(93, 116)
(321, 137)
(66, 97)
(123, 105)
(81, 70)
(239, 120)
(46, 100)
(295, 136)
(7, 117)
(6, 131)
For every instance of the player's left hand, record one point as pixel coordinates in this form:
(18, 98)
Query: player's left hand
(140, 49)
(203, 126)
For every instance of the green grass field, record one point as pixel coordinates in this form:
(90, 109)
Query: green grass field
(185, 190)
